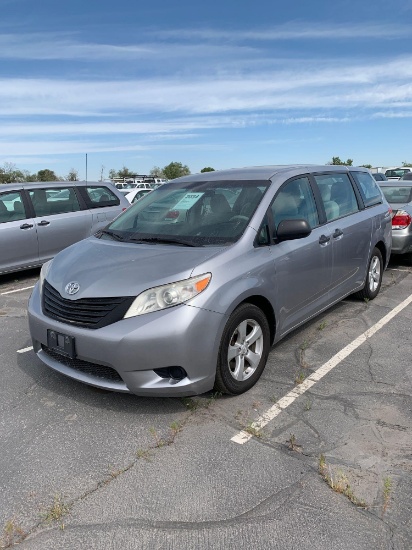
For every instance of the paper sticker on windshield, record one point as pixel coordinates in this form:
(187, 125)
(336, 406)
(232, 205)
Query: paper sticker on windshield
(188, 201)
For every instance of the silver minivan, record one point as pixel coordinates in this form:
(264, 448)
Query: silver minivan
(37, 220)
(190, 287)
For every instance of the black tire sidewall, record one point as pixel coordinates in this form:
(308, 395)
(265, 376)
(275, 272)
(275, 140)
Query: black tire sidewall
(368, 293)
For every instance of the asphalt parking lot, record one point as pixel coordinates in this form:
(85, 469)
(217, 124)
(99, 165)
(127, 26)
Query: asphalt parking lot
(317, 455)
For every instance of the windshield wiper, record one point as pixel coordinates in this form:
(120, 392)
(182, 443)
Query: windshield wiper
(159, 240)
(112, 234)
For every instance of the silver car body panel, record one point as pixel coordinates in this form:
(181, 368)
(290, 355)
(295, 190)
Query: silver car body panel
(292, 281)
(401, 238)
(25, 247)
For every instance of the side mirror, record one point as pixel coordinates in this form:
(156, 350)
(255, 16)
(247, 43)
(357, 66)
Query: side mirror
(289, 230)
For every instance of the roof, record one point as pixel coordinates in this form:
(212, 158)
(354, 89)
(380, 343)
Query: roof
(266, 172)
(55, 184)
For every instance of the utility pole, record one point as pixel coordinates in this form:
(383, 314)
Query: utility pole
(86, 167)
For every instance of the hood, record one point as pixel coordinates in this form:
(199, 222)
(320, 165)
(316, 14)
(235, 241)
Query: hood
(109, 269)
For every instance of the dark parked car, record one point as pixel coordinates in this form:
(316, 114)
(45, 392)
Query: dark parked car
(188, 289)
(399, 196)
(379, 176)
(37, 220)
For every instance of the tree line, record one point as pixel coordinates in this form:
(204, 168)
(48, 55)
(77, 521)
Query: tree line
(9, 173)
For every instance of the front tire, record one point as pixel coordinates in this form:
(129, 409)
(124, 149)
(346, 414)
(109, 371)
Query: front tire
(373, 278)
(244, 350)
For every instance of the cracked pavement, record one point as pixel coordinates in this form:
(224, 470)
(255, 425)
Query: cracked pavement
(163, 473)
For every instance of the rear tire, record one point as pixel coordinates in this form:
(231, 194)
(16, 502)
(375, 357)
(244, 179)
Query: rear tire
(373, 277)
(244, 350)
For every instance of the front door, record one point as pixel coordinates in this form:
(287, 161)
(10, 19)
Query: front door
(302, 266)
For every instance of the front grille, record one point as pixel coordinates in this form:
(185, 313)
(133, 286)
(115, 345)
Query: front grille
(98, 371)
(86, 312)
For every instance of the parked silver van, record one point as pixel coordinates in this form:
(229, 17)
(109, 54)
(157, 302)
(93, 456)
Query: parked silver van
(37, 220)
(191, 286)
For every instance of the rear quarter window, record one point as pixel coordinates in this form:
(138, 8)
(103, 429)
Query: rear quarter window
(99, 196)
(368, 188)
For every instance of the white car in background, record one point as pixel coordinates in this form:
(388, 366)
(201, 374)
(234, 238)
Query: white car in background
(397, 173)
(136, 194)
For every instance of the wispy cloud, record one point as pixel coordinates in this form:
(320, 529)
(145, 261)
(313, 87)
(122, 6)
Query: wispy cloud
(301, 30)
(173, 43)
(180, 85)
(360, 86)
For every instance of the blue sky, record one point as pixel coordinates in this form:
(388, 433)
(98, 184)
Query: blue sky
(218, 83)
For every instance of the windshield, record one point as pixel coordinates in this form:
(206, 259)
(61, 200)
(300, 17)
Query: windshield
(191, 214)
(397, 195)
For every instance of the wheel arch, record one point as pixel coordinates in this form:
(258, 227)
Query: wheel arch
(380, 245)
(264, 305)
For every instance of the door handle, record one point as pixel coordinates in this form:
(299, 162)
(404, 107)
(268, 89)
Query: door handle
(337, 233)
(43, 222)
(323, 239)
(26, 226)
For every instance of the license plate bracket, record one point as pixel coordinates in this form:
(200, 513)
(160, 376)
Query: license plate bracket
(62, 343)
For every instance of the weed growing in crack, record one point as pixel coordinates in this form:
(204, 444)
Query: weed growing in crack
(215, 395)
(116, 473)
(12, 534)
(300, 377)
(175, 427)
(144, 453)
(57, 510)
(308, 404)
(387, 491)
(191, 404)
(322, 325)
(338, 483)
(292, 444)
(253, 430)
(159, 442)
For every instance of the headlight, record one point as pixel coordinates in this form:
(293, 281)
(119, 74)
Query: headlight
(43, 273)
(161, 297)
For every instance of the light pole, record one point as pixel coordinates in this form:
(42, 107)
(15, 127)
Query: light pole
(86, 167)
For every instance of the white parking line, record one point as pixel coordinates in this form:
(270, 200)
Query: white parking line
(24, 349)
(288, 399)
(395, 269)
(18, 290)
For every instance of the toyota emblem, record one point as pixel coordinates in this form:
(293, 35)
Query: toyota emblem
(72, 288)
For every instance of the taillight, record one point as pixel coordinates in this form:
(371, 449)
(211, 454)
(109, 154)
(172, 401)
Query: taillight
(401, 220)
(172, 215)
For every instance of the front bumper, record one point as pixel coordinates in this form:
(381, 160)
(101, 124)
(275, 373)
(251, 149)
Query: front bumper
(122, 356)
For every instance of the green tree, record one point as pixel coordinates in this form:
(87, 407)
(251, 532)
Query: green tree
(406, 163)
(207, 169)
(175, 170)
(46, 175)
(337, 161)
(366, 166)
(122, 173)
(10, 174)
(73, 175)
(158, 172)
(125, 173)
